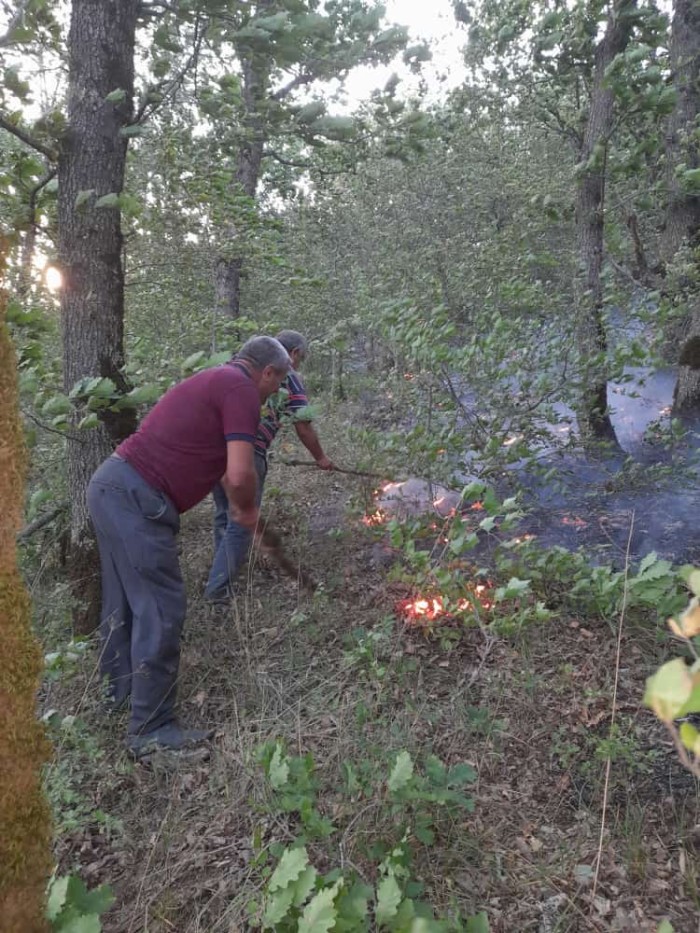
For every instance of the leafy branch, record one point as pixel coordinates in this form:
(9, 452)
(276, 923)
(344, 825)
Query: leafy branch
(673, 692)
(29, 140)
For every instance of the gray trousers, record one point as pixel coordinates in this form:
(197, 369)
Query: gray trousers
(143, 596)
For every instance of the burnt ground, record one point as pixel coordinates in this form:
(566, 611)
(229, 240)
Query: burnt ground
(337, 675)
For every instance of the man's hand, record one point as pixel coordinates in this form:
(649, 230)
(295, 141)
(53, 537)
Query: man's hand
(247, 518)
(325, 464)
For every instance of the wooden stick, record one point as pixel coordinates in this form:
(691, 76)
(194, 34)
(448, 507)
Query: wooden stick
(336, 469)
(270, 542)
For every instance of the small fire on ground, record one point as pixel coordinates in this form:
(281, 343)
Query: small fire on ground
(574, 521)
(429, 608)
(378, 517)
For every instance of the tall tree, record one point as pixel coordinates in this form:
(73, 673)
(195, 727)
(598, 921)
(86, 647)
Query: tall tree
(589, 72)
(91, 177)
(594, 418)
(284, 46)
(682, 222)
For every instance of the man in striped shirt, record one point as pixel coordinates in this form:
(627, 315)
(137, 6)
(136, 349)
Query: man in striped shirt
(289, 405)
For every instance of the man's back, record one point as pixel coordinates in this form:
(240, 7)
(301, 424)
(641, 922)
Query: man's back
(180, 447)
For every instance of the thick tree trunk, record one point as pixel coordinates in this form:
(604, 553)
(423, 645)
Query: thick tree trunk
(25, 823)
(93, 155)
(255, 85)
(682, 227)
(594, 418)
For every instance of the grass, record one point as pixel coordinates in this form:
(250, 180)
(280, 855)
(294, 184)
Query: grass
(186, 844)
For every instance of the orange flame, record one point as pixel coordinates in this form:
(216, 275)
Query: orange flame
(477, 506)
(375, 518)
(429, 608)
(574, 521)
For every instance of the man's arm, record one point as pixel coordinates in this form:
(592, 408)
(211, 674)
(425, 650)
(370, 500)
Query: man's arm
(241, 482)
(309, 438)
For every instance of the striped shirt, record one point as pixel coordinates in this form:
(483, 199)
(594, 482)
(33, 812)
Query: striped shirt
(280, 409)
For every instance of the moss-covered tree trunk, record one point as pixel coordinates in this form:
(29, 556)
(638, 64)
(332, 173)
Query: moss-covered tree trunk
(25, 831)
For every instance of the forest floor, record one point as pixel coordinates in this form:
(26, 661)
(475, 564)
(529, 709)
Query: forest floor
(183, 841)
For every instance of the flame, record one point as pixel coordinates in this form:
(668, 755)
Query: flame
(429, 608)
(375, 518)
(477, 507)
(574, 521)
(389, 487)
(523, 538)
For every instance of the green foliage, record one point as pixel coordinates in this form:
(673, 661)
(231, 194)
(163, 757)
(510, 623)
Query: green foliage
(570, 580)
(79, 753)
(297, 896)
(673, 692)
(295, 784)
(71, 908)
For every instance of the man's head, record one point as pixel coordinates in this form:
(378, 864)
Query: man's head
(295, 344)
(269, 363)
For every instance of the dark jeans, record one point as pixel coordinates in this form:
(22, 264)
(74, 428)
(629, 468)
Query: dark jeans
(143, 596)
(231, 540)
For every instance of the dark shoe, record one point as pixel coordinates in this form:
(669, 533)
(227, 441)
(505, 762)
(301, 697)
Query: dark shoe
(171, 737)
(223, 597)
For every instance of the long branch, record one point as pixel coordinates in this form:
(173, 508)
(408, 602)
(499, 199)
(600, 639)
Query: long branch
(310, 166)
(299, 80)
(175, 82)
(28, 140)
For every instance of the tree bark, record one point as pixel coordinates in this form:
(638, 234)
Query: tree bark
(594, 418)
(682, 226)
(93, 156)
(255, 84)
(25, 823)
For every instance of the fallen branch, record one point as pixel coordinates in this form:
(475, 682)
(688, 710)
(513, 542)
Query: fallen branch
(41, 522)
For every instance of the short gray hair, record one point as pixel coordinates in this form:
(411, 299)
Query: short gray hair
(265, 351)
(292, 340)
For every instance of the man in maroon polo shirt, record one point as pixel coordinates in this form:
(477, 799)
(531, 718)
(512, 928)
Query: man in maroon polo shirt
(202, 429)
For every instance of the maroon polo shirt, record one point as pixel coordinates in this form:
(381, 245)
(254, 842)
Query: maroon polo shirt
(180, 446)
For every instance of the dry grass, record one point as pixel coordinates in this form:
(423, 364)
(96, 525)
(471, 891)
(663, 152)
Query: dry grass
(532, 714)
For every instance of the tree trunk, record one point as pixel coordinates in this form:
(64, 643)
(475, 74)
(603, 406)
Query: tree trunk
(594, 418)
(93, 155)
(25, 823)
(255, 84)
(682, 226)
(686, 394)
